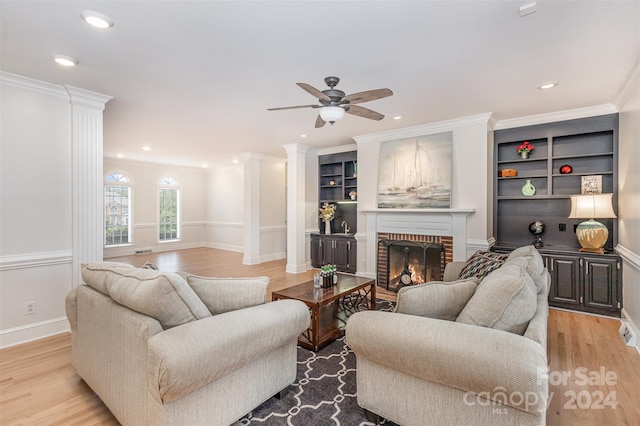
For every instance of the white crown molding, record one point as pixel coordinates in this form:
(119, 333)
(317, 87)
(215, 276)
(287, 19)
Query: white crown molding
(34, 260)
(551, 117)
(338, 149)
(630, 88)
(631, 258)
(87, 98)
(424, 129)
(33, 85)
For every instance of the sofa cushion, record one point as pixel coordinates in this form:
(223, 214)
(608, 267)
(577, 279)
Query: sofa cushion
(436, 299)
(535, 265)
(228, 294)
(481, 264)
(93, 273)
(164, 296)
(504, 300)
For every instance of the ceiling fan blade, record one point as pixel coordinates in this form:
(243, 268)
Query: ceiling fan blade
(364, 112)
(319, 122)
(294, 107)
(369, 95)
(313, 91)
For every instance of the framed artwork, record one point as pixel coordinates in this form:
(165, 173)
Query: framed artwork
(416, 172)
(591, 184)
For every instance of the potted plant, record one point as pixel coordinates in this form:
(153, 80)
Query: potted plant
(525, 149)
(353, 195)
(327, 213)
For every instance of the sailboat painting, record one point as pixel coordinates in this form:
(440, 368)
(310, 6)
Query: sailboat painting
(416, 172)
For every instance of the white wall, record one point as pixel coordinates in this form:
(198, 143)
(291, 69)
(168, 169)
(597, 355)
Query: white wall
(224, 208)
(273, 227)
(145, 178)
(629, 198)
(35, 208)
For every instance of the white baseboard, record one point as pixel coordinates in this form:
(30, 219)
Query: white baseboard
(227, 247)
(27, 333)
(626, 318)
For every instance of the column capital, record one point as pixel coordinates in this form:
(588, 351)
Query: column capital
(296, 148)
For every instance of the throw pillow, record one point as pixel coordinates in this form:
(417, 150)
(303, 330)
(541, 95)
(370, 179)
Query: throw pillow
(436, 299)
(505, 300)
(229, 294)
(481, 264)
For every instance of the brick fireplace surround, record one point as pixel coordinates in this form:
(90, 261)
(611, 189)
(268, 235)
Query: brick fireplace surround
(417, 225)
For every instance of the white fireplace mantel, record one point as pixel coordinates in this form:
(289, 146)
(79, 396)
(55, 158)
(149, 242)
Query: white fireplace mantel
(441, 222)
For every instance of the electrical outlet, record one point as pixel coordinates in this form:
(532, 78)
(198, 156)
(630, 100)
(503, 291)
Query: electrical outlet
(30, 308)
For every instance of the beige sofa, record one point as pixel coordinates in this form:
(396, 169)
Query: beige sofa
(167, 349)
(459, 352)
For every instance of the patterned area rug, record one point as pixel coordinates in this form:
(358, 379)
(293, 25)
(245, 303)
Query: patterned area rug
(324, 392)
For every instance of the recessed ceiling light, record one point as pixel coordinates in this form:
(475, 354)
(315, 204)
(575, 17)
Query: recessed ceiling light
(303, 136)
(96, 19)
(65, 61)
(547, 86)
(146, 148)
(120, 155)
(235, 161)
(397, 117)
(204, 166)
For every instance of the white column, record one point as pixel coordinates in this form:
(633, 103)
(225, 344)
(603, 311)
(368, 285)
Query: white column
(296, 202)
(87, 177)
(459, 222)
(251, 208)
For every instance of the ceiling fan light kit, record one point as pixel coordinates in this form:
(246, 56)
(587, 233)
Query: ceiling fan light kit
(334, 104)
(331, 114)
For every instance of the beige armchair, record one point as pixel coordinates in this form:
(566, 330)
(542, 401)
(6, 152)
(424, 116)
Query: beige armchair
(458, 352)
(163, 349)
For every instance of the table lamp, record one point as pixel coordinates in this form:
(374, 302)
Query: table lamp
(592, 235)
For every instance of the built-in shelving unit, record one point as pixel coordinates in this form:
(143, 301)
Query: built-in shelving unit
(588, 145)
(579, 281)
(337, 179)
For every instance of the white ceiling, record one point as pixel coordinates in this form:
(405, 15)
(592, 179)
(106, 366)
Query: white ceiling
(193, 79)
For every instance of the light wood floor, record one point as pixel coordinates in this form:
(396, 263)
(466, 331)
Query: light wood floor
(39, 387)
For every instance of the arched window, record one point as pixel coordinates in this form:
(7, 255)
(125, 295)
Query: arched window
(117, 200)
(169, 209)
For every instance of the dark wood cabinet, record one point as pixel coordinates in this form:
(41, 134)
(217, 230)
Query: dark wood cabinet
(339, 250)
(565, 280)
(602, 283)
(583, 282)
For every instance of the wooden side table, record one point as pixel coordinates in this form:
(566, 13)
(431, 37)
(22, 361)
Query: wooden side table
(330, 307)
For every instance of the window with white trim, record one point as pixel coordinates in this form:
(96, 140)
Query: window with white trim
(169, 209)
(117, 209)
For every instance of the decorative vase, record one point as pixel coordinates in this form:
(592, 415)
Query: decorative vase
(327, 227)
(353, 197)
(524, 154)
(528, 189)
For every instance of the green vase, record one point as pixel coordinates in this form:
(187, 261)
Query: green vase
(528, 189)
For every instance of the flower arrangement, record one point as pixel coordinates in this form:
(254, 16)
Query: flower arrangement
(353, 194)
(526, 148)
(327, 212)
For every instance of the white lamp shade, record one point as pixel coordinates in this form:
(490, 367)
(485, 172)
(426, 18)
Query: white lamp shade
(331, 113)
(592, 206)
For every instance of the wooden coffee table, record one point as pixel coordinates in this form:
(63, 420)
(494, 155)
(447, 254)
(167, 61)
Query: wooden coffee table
(330, 307)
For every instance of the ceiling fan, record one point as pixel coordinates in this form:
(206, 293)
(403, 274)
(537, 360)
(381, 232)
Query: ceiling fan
(334, 103)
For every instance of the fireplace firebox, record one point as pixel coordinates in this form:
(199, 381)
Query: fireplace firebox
(410, 263)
